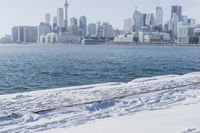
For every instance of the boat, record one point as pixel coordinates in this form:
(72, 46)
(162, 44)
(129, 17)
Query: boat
(93, 40)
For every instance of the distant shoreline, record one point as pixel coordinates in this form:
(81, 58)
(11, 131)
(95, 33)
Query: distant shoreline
(110, 44)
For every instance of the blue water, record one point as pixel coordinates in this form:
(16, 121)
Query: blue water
(34, 67)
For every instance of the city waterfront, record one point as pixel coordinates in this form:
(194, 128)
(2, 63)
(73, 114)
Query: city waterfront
(36, 67)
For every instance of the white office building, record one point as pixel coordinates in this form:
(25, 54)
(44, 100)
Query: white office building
(185, 34)
(128, 25)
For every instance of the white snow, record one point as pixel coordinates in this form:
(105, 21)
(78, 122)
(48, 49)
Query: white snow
(158, 104)
(174, 120)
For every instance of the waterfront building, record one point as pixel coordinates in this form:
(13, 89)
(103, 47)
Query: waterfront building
(6, 39)
(91, 30)
(24, 34)
(117, 32)
(197, 33)
(156, 37)
(191, 22)
(186, 34)
(14, 36)
(128, 26)
(73, 29)
(66, 5)
(59, 38)
(60, 20)
(143, 37)
(43, 29)
(137, 21)
(48, 18)
(176, 10)
(107, 30)
(83, 25)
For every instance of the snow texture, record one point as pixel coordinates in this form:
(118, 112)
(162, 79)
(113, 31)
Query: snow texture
(42, 111)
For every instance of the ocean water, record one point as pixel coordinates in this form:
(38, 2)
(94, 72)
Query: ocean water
(36, 67)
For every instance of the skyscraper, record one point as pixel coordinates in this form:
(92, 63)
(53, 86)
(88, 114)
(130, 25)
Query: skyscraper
(92, 30)
(60, 19)
(159, 16)
(47, 18)
(128, 26)
(107, 30)
(150, 19)
(83, 25)
(74, 26)
(178, 11)
(137, 21)
(150, 22)
(66, 5)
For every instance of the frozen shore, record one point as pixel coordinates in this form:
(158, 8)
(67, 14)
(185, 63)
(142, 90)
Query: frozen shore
(64, 108)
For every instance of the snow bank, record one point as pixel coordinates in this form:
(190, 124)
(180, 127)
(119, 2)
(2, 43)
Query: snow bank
(73, 106)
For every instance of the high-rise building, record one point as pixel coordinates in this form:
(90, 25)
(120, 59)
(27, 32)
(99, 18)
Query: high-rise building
(137, 21)
(73, 29)
(14, 34)
(48, 18)
(173, 26)
(107, 30)
(66, 5)
(159, 16)
(92, 30)
(128, 25)
(83, 25)
(144, 16)
(55, 25)
(150, 20)
(60, 19)
(24, 34)
(178, 11)
(99, 29)
(43, 29)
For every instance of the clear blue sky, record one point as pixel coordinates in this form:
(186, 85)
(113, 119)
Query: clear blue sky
(31, 12)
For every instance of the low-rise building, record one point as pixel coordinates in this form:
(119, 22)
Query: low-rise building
(6, 39)
(186, 34)
(59, 38)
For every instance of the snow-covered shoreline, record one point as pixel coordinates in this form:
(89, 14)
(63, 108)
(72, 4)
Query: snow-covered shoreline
(72, 106)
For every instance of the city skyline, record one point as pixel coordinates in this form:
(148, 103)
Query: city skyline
(77, 9)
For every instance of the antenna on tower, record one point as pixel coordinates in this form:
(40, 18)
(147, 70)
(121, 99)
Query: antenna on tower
(157, 3)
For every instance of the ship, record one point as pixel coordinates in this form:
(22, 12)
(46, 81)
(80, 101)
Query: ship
(93, 40)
